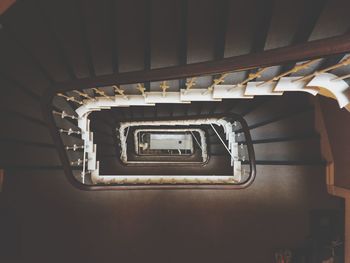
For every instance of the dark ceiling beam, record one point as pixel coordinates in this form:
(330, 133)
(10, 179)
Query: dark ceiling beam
(182, 52)
(311, 13)
(222, 19)
(5, 4)
(278, 56)
(84, 34)
(222, 16)
(113, 20)
(262, 26)
(50, 26)
(148, 39)
(263, 22)
(182, 45)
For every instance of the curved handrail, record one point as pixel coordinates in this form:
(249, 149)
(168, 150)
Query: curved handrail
(47, 108)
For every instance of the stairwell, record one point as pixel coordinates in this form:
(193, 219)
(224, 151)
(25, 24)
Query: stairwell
(211, 54)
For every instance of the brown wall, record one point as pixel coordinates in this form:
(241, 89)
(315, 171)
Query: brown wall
(337, 122)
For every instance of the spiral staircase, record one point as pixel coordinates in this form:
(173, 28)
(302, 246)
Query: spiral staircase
(72, 73)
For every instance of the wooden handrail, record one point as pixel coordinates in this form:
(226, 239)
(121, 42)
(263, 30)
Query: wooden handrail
(48, 109)
(278, 56)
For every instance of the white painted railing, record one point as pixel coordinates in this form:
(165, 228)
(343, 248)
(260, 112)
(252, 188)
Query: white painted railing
(317, 83)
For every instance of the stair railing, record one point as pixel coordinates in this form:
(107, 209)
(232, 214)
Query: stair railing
(319, 78)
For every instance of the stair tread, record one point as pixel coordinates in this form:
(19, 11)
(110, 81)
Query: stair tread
(304, 149)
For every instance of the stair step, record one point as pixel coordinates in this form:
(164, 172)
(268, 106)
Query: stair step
(279, 117)
(61, 104)
(296, 124)
(274, 107)
(21, 127)
(28, 155)
(297, 150)
(218, 165)
(297, 137)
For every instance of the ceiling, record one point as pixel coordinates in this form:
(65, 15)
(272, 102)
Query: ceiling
(47, 42)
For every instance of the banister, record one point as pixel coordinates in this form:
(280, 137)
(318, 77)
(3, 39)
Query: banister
(49, 117)
(309, 50)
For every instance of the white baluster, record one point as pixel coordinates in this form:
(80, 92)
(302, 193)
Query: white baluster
(70, 98)
(69, 131)
(120, 92)
(74, 147)
(63, 115)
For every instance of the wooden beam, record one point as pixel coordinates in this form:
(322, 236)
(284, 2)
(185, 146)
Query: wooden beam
(148, 39)
(307, 23)
(311, 13)
(79, 5)
(51, 28)
(114, 34)
(278, 56)
(222, 17)
(262, 27)
(5, 4)
(182, 51)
